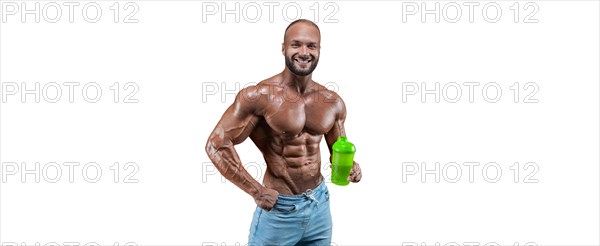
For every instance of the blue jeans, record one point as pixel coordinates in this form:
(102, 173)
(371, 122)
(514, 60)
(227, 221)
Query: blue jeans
(302, 219)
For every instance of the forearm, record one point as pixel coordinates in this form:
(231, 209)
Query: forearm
(227, 161)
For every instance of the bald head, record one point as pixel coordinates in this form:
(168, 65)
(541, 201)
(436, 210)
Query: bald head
(301, 21)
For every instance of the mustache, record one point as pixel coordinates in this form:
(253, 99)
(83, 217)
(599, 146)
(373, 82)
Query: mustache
(304, 57)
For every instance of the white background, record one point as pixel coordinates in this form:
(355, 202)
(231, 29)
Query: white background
(367, 56)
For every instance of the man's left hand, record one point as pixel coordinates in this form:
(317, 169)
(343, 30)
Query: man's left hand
(355, 173)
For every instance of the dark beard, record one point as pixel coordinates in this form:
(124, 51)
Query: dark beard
(289, 63)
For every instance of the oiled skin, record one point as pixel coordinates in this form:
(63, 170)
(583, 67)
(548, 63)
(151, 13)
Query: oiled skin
(286, 116)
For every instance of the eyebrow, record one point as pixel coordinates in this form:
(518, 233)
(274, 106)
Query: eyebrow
(298, 41)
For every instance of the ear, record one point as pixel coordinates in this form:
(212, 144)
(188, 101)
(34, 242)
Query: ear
(283, 49)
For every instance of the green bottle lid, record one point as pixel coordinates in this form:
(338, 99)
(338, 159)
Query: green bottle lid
(343, 146)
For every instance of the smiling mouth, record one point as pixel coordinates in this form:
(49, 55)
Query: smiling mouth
(302, 61)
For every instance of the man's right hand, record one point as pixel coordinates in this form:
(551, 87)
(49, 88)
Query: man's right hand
(266, 198)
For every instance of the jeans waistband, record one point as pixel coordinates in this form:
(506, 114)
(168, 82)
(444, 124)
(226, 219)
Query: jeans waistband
(310, 193)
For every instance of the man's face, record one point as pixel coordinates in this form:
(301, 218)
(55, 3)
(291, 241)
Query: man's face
(301, 48)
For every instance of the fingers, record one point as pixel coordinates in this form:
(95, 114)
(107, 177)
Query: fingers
(267, 198)
(355, 178)
(355, 174)
(267, 204)
(267, 207)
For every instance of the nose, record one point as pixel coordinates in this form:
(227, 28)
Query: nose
(303, 50)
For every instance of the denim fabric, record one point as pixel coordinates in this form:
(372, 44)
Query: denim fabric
(302, 219)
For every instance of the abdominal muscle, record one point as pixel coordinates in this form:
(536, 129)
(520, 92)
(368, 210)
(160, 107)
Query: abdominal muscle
(293, 163)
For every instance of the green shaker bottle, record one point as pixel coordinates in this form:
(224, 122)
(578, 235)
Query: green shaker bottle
(342, 161)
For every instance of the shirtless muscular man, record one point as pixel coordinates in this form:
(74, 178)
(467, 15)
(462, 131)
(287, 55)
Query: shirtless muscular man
(285, 116)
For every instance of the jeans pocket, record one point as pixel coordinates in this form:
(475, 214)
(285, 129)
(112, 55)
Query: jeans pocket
(281, 207)
(254, 224)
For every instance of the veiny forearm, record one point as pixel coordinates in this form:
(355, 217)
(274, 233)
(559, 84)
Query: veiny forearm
(226, 160)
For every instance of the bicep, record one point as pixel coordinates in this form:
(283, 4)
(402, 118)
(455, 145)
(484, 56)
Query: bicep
(237, 126)
(338, 126)
(238, 121)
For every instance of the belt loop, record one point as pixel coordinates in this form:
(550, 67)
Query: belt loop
(309, 194)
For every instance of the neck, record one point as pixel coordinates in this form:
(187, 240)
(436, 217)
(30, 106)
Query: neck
(298, 83)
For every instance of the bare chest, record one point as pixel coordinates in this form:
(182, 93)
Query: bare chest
(295, 115)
